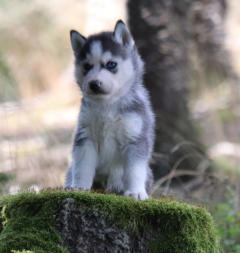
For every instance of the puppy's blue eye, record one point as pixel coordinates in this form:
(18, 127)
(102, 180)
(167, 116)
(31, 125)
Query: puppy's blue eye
(111, 65)
(87, 66)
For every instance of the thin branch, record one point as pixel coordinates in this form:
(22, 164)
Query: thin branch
(171, 175)
(177, 173)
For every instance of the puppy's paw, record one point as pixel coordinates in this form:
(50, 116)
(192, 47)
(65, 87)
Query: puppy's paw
(142, 195)
(81, 189)
(115, 188)
(68, 189)
(77, 188)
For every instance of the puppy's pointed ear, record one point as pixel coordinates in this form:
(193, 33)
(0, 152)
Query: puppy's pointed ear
(122, 34)
(77, 41)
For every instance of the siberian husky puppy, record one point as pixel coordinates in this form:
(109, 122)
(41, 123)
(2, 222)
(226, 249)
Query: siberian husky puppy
(115, 130)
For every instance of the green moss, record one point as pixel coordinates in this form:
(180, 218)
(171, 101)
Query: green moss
(30, 221)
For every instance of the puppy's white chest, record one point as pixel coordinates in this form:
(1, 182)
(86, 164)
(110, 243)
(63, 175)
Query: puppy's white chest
(115, 128)
(111, 133)
(106, 133)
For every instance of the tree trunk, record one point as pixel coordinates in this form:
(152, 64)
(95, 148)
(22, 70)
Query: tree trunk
(171, 36)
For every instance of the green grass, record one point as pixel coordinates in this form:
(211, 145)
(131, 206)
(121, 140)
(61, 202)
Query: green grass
(29, 221)
(227, 218)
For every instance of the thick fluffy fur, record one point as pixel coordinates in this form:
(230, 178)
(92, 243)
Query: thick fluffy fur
(114, 136)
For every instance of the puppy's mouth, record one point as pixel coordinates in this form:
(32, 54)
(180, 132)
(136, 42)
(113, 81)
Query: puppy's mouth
(100, 92)
(97, 92)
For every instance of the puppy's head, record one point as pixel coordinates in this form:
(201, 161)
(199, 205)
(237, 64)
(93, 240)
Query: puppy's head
(106, 64)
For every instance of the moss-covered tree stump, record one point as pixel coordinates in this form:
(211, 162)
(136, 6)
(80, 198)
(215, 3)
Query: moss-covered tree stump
(55, 221)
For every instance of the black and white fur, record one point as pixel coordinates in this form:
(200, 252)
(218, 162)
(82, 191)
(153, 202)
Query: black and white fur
(114, 135)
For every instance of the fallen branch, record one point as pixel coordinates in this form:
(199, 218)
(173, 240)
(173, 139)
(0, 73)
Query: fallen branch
(178, 173)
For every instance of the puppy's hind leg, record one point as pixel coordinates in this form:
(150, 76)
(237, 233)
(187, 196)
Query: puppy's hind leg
(115, 182)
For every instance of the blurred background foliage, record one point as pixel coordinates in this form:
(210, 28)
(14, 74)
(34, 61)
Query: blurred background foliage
(39, 99)
(227, 218)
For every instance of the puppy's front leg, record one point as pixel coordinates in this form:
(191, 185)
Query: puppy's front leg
(135, 177)
(84, 165)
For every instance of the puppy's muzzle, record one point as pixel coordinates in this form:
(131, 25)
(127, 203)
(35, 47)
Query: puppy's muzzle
(96, 87)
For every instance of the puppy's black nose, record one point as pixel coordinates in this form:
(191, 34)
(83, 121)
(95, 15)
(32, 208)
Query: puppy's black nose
(95, 86)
